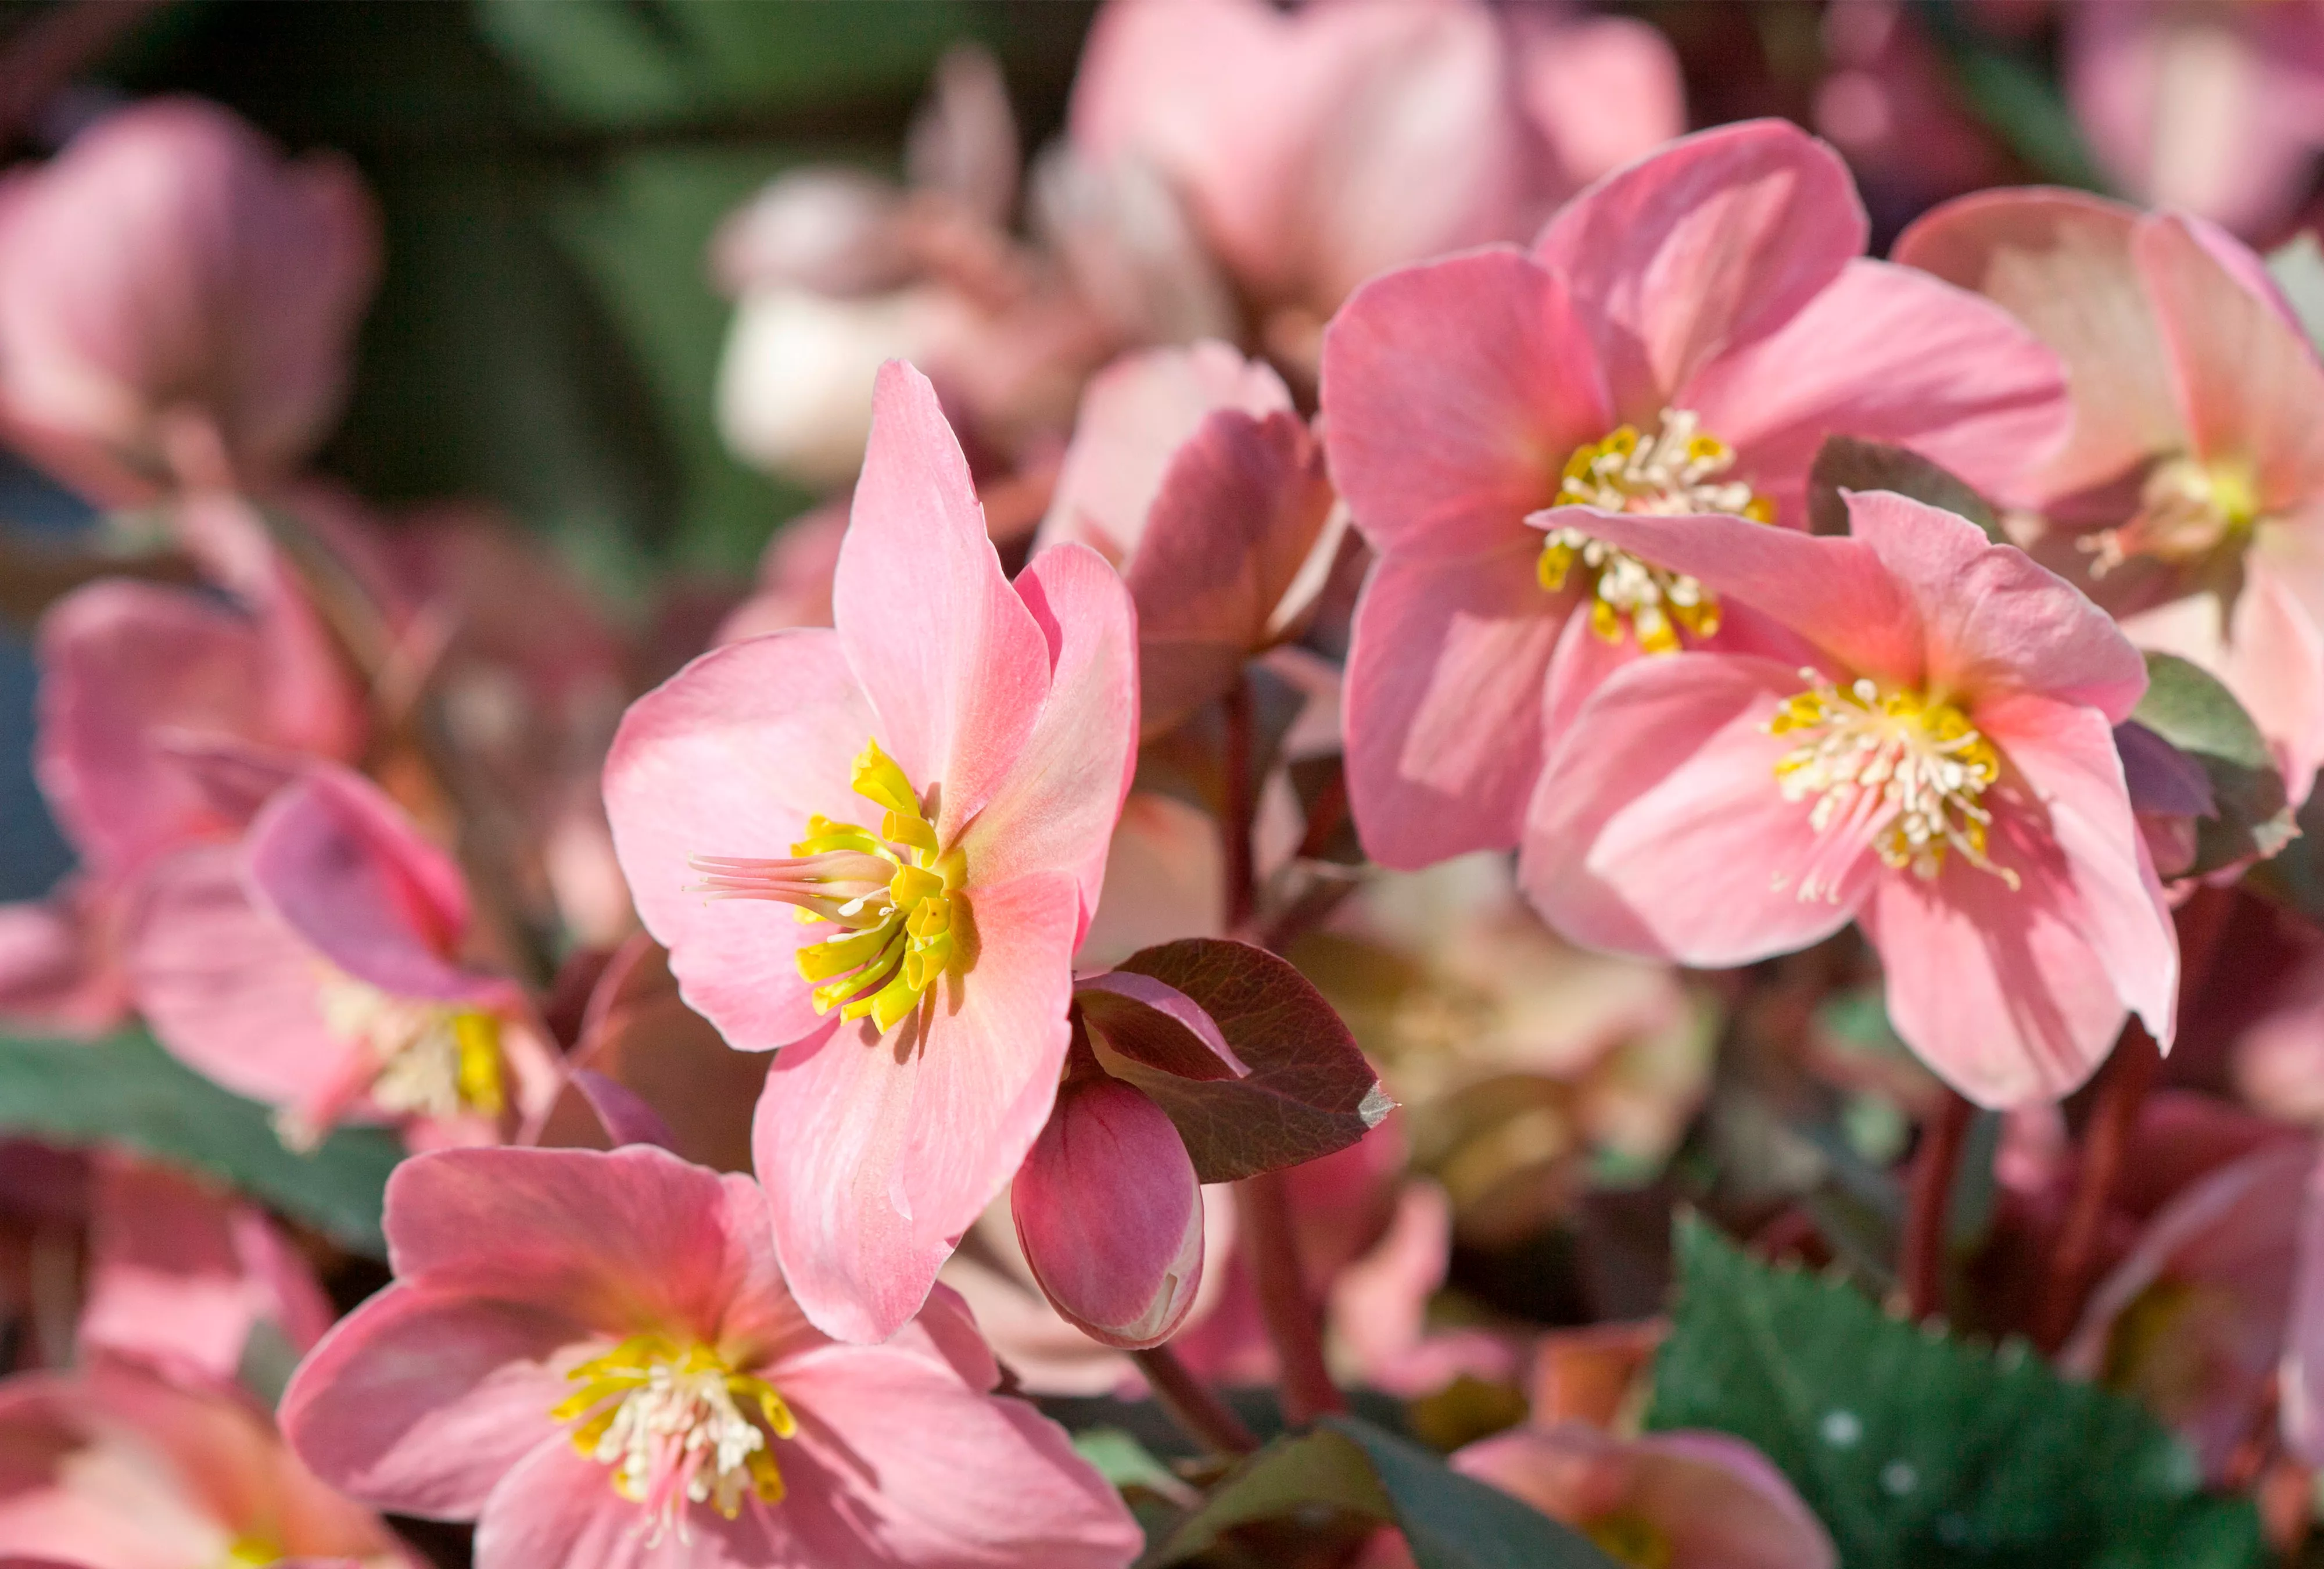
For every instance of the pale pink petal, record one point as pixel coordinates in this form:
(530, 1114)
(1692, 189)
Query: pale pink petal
(1601, 90)
(2060, 262)
(898, 1463)
(2250, 385)
(1701, 248)
(61, 965)
(950, 659)
(1452, 394)
(2269, 655)
(1997, 620)
(1444, 702)
(1055, 808)
(1164, 879)
(421, 1400)
(730, 757)
(1836, 593)
(878, 1150)
(1134, 415)
(555, 1506)
(1658, 828)
(1109, 1215)
(1889, 355)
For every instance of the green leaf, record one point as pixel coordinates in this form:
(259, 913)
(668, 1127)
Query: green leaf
(1845, 463)
(126, 1090)
(1919, 1451)
(2188, 707)
(1127, 1464)
(1349, 1466)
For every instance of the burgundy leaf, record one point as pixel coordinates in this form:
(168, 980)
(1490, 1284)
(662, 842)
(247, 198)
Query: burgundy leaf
(1154, 1023)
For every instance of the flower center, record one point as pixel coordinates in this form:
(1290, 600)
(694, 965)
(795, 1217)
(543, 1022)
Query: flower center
(890, 893)
(421, 1058)
(250, 1552)
(1674, 473)
(679, 1426)
(1633, 1540)
(2172, 1346)
(1897, 770)
(2186, 510)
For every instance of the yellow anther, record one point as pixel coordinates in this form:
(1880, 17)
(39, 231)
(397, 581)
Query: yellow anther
(879, 778)
(1632, 1540)
(478, 1035)
(679, 1425)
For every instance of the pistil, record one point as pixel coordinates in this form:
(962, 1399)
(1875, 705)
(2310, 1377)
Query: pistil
(2188, 511)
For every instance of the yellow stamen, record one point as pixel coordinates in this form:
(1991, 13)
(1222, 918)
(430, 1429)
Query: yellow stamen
(679, 1425)
(1631, 1540)
(435, 1059)
(2188, 511)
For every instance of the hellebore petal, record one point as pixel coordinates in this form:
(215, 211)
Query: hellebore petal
(1109, 1215)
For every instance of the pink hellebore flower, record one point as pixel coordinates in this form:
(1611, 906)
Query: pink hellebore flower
(315, 965)
(982, 734)
(112, 1468)
(170, 274)
(1935, 761)
(595, 1356)
(2213, 106)
(1192, 473)
(1682, 338)
(2190, 496)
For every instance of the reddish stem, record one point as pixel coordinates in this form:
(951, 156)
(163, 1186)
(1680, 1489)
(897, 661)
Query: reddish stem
(1924, 1252)
(1241, 806)
(1293, 1326)
(1197, 1409)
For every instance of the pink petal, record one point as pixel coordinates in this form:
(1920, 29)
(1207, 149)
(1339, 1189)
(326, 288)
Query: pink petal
(1452, 394)
(1994, 619)
(1164, 879)
(899, 1464)
(60, 969)
(1889, 355)
(420, 1400)
(1658, 828)
(1701, 248)
(2060, 262)
(1055, 808)
(730, 757)
(878, 1150)
(555, 1506)
(2301, 1385)
(1444, 702)
(2248, 381)
(342, 867)
(1134, 416)
(950, 659)
(1109, 1215)
(1602, 90)
(1836, 593)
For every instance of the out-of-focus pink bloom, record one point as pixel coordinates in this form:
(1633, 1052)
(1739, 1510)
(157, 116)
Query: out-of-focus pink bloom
(2192, 1322)
(112, 1468)
(1314, 149)
(181, 1275)
(2279, 1061)
(1190, 471)
(2190, 500)
(795, 574)
(596, 1357)
(60, 962)
(2209, 105)
(922, 1009)
(315, 965)
(1889, 101)
(1934, 760)
(170, 277)
(1166, 877)
(1682, 338)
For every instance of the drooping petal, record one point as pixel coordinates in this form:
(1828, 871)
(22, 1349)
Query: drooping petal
(1886, 354)
(900, 1463)
(1444, 702)
(1055, 810)
(730, 757)
(2061, 263)
(878, 1150)
(1659, 828)
(952, 664)
(420, 1400)
(2250, 385)
(1997, 620)
(1134, 416)
(1452, 394)
(1109, 1215)
(1701, 248)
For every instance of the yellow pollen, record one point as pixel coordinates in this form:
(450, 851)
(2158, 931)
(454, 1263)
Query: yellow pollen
(891, 895)
(2188, 510)
(1674, 473)
(1632, 1539)
(433, 1060)
(1897, 768)
(678, 1425)
(250, 1552)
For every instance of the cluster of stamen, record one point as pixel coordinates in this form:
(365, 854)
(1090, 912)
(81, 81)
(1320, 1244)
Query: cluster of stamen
(1676, 471)
(2188, 510)
(1897, 769)
(678, 1425)
(418, 1058)
(1632, 1539)
(890, 893)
